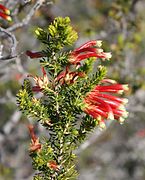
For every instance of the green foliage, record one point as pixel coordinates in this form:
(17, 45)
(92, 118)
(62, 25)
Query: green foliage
(61, 31)
(29, 105)
(85, 85)
(59, 34)
(88, 65)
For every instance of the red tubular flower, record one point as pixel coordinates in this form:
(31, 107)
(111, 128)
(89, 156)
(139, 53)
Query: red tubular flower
(112, 87)
(4, 13)
(87, 50)
(33, 55)
(5, 16)
(90, 44)
(35, 145)
(100, 104)
(4, 9)
(41, 82)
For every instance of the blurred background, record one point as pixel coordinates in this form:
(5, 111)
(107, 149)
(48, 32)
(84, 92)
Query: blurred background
(118, 153)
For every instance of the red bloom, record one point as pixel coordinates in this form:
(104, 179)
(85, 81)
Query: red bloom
(4, 9)
(101, 105)
(90, 44)
(4, 13)
(41, 82)
(87, 50)
(35, 145)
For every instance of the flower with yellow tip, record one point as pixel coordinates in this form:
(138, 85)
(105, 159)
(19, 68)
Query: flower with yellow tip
(102, 104)
(88, 50)
(5, 13)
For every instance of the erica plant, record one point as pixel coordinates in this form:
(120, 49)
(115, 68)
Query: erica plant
(73, 100)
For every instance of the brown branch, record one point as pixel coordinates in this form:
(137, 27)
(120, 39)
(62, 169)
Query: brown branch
(134, 2)
(26, 20)
(13, 44)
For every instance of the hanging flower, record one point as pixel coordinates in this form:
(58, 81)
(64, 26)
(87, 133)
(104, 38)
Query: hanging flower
(87, 50)
(102, 105)
(5, 13)
(41, 82)
(35, 145)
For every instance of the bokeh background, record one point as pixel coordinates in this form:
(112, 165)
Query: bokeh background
(118, 153)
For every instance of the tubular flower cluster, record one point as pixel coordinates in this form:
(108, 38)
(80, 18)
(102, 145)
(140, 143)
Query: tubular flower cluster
(41, 82)
(68, 76)
(87, 50)
(5, 13)
(35, 145)
(101, 104)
